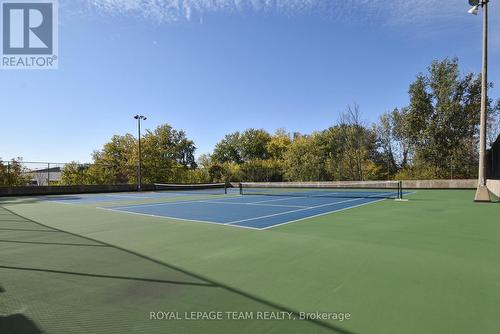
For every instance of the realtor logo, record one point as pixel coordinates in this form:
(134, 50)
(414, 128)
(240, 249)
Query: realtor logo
(29, 34)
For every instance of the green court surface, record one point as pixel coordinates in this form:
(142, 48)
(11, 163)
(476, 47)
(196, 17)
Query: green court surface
(430, 265)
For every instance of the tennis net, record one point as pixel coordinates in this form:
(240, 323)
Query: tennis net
(207, 188)
(360, 189)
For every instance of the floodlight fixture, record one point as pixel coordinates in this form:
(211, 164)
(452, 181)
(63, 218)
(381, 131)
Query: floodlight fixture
(474, 10)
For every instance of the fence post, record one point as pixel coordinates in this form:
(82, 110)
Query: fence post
(9, 181)
(451, 168)
(48, 174)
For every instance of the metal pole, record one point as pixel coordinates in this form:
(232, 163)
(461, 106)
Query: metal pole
(139, 176)
(493, 174)
(388, 168)
(451, 168)
(482, 194)
(48, 174)
(8, 174)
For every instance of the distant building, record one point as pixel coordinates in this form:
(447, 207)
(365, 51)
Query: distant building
(41, 177)
(493, 161)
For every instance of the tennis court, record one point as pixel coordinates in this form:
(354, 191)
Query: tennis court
(395, 267)
(172, 192)
(265, 206)
(258, 212)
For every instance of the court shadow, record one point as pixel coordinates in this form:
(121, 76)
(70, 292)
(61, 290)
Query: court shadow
(50, 243)
(19, 200)
(140, 279)
(26, 230)
(68, 198)
(17, 323)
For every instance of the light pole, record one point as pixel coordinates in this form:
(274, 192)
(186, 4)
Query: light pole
(482, 193)
(139, 165)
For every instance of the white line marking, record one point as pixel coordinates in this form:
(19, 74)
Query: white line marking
(293, 211)
(59, 202)
(257, 204)
(289, 197)
(280, 199)
(154, 204)
(304, 209)
(322, 214)
(181, 219)
(128, 196)
(167, 203)
(231, 224)
(339, 210)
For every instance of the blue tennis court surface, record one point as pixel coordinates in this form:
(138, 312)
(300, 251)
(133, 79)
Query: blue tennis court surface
(253, 211)
(126, 196)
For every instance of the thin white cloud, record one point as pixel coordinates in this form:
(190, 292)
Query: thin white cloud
(389, 12)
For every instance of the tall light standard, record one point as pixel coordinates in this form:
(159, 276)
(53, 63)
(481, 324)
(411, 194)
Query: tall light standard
(482, 193)
(139, 118)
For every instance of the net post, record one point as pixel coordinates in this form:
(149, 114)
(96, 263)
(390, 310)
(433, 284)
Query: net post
(225, 188)
(400, 190)
(241, 188)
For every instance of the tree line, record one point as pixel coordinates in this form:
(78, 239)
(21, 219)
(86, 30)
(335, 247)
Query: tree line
(167, 157)
(13, 173)
(435, 136)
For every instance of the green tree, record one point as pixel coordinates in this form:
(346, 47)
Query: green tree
(197, 176)
(116, 161)
(303, 160)
(73, 173)
(393, 143)
(205, 161)
(350, 149)
(253, 144)
(278, 144)
(262, 170)
(96, 174)
(13, 173)
(228, 149)
(443, 118)
(167, 155)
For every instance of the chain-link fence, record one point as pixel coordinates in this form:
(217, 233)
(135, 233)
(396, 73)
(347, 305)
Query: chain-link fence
(28, 173)
(493, 161)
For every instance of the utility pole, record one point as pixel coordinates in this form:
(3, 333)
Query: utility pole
(482, 193)
(139, 118)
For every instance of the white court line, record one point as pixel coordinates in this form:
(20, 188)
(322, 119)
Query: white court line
(208, 201)
(59, 202)
(299, 210)
(166, 203)
(289, 197)
(181, 219)
(155, 204)
(258, 204)
(279, 199)
(128, 196)
(326, 213)
(323, 214)
(231, 224)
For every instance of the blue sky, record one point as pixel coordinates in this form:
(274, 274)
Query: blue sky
(214, 67)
